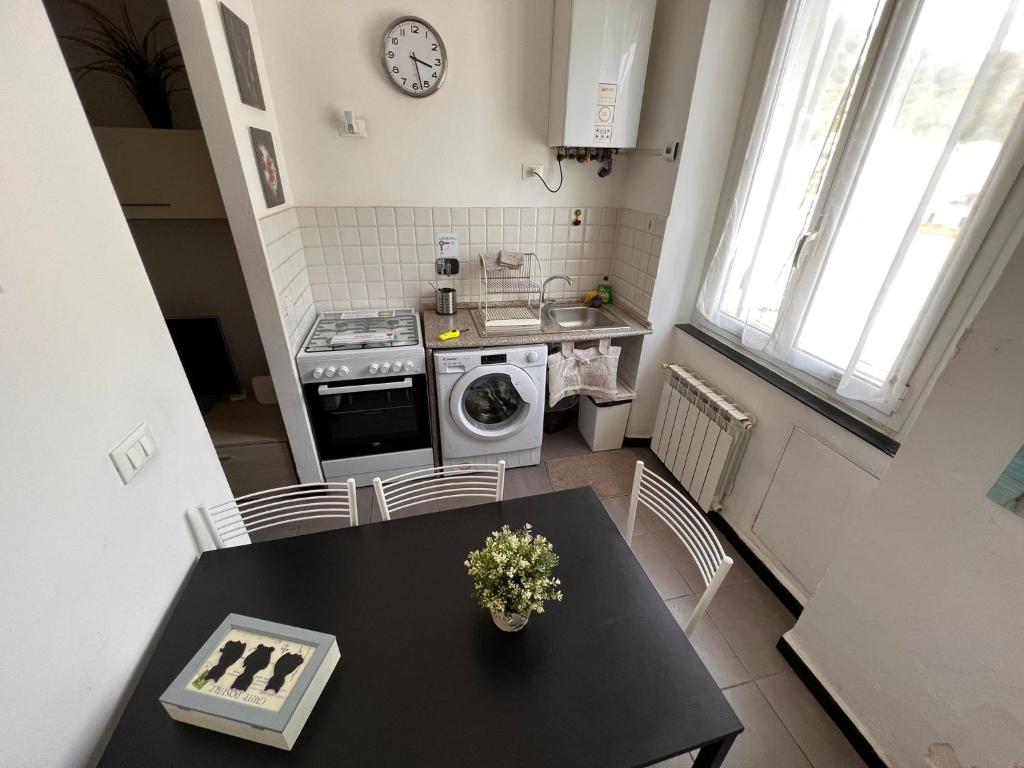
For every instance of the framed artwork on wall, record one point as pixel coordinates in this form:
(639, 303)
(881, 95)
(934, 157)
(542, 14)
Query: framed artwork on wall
(243, 58)
(266, 166)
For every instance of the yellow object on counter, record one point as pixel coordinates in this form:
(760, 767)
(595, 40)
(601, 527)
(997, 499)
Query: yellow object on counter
(449, 335)
(589, 298)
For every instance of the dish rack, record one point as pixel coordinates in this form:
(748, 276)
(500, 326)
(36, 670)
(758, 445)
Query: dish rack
(524, 281)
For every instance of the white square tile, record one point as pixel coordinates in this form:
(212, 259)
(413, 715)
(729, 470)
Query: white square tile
(314, 255)
(307, 217)
(560, 233)
(460, 217)
(389, 254)
(371, 254)
(332, 255)
(404, 217)
(407, 254)
(368, 235)
(442, 217)
(406, 235)
(325, 217)
(349, 236)
(392, 272)
(477, 217)
(339, 291)
(425, 254)
(352, 254)
(336, 275)
(510, 217)
(545, 216)
(388, 235)
(329, 236)
(355, 274)
(385, 217)
(493, 216)
(510, 234)
(309, 236)
(424, 235)
(357, 290)
(317, 275)
(478, 235)
(527, 217)
(494, 235)
(422, 217)
(346, 217)
(321, 292)
(375, 290)
(366, 217)
(374, 274)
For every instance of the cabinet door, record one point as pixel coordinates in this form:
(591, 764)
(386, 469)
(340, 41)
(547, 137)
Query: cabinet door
(814, 499)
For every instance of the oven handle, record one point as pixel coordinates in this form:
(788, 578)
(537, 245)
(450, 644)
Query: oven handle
(405, 383)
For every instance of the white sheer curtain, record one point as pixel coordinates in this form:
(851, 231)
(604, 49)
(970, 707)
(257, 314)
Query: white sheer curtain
(839, 263)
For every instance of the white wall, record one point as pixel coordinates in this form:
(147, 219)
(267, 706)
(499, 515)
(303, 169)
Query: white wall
(726, 50)
(679, 27)
(226, 123)
(89, 566)
(462, 146)
(917, 624)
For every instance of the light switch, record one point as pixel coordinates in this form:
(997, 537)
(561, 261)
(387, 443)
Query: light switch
(133, 452)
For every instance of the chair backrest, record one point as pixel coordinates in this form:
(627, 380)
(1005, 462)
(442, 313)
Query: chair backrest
(453, 481)
(687, 522)
(232, 519)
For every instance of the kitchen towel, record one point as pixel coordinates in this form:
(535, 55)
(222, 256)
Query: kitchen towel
(591, 371)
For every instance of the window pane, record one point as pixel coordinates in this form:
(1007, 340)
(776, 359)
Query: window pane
(955, 95)
(823, 57)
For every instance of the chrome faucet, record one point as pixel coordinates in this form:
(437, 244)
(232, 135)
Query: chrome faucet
(544, 289)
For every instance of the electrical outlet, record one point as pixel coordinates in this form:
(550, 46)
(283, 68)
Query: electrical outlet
(670, 152)
(529, 171)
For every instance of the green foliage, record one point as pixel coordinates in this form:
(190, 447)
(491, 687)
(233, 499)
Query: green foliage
(512, 572)
(145, 70)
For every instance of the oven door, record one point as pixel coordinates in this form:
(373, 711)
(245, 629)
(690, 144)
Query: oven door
(369, 416)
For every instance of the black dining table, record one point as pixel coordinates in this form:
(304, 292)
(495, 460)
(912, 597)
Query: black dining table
(605, 677)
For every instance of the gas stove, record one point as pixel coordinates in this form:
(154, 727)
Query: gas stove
(362, 344)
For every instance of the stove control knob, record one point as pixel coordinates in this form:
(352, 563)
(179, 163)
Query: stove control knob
(531, 357)
(343, 370)
(318, 372)
(385, 368)
(374, 368)
(329, 373)
(409, 365)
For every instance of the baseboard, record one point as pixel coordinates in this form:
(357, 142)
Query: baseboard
(832, 708)
(787, 598)
(636, 442)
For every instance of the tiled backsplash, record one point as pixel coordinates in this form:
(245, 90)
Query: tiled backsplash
(637, 256)
(283, 242)
(361, 258)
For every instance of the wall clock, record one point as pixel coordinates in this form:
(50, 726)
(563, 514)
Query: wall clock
(414, 57)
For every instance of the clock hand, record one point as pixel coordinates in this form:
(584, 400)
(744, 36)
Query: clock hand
(422, 62)
(414, 60)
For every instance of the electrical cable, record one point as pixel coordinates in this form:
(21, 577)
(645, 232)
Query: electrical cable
(561, 177)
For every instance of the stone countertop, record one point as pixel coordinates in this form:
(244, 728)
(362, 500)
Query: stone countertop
(435, 324)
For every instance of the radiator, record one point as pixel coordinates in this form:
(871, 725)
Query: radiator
(700, 436)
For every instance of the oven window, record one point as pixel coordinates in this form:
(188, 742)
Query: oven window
(492, 400)
(348, 424)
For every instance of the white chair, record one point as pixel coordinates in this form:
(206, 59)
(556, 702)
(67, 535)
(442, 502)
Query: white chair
(280, 506)
(455, 481)
(687, 522)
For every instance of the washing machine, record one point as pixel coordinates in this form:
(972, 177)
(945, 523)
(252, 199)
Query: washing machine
(490, 404)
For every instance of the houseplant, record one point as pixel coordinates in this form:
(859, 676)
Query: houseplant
(145, 69)
(512, 576)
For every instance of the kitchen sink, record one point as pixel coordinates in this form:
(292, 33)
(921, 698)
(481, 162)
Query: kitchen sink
(582, 318)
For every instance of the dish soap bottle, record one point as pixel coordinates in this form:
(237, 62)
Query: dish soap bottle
(605, 291)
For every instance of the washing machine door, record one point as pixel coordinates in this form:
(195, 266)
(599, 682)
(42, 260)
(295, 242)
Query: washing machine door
(493, 402)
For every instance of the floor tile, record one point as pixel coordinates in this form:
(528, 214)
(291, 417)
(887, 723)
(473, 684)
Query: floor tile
(751, 619)
(659, 568)
(526, 481)
(765, 742)
(683, 561)
(718, 657)
(618, 508)
(567, 442)
(818, 737)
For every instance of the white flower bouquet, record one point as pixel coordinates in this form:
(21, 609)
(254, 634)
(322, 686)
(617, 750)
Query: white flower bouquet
(512, 574)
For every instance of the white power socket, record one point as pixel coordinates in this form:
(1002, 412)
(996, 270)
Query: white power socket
(529, 171)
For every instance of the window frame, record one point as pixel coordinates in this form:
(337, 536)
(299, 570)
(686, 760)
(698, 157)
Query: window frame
(996, 231)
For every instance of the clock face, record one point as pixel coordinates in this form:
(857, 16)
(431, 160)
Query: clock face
(414, 57)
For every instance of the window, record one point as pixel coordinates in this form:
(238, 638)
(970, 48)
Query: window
(881, 149)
